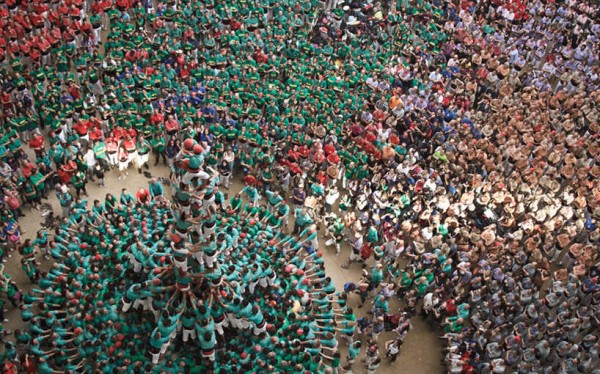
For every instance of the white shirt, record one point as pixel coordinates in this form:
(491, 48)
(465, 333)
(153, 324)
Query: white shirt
(90, 158)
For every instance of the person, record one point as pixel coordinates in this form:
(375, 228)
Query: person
(251, 193)
(66, 200)
(353, 352)
(79, 181)
(157, 143)
(13, 203)
(456, 148)
(143, 153)
(143, 196)
(225, 173)
(100, 152)
(373, 365)
(99, 173)
(123, 157)
(229, 157)
(112, 150)
(393, 349)
(126, 198)
(173, 149)
(156, 188)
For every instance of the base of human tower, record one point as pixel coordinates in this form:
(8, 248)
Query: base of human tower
(151, 290)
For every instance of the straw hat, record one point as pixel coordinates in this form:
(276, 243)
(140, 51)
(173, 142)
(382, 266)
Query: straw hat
(563, 240)
(488, 236)
(576, 249)
(558, 222)
(475, 237)
(567, 171)
(554, 158)
(487, 130)
(464, 233)
(595, 235)
(541, 215)
(561, 275)
(568, 125)
(509, 201)
(553, 185)
(572, 230)
(566, 212)
(580, 202)
(570, 159)
(498, 197)
(549, 225)
(553, 208)
(596, 212)
(531, 244)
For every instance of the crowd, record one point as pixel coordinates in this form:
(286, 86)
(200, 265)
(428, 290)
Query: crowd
(460, 135)
(142, 283)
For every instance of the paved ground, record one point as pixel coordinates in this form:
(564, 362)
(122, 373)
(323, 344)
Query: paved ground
(421, 352)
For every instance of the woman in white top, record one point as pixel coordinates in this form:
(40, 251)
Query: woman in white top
(393, 349)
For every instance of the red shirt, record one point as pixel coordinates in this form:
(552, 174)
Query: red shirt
(318, 157)
(52, 16)
(96, 134)
(25, 47)
(74, 12)
(235, 24)
(143, 195)
(5, 98)
(63, 9)
(111, 146)
(304, 151)
(370, 137)
(9, 368)
(157, 118)
(356, 129)
(36, 142)
(249, 180)
(119, 132)
(172, 125)
(27, 168)
(333, 158)
(450, 307)
(85, 27)
(329, 148)
(129, 144)
(81, 128)
(131, 56)
(37, 20)
(132, 133)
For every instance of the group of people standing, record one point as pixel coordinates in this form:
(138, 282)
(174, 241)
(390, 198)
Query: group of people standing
(459, 136)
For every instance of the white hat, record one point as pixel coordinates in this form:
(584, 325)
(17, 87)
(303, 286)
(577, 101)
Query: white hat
(352, 21)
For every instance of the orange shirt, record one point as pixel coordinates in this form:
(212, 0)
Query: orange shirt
(395, 101)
